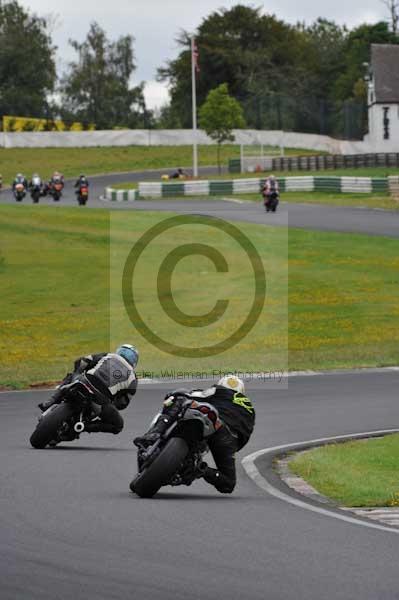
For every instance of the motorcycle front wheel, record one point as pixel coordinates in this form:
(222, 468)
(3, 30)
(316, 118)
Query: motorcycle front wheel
(147, 483)
(48, 427)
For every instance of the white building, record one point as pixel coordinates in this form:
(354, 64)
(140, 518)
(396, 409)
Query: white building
(383, 99)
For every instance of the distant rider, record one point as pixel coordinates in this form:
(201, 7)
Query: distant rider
(112, 376)
(56, 177)
(179, 174)
(270, 186)
(237, 415)
(82, 181)
(19, 178)
(36, 182)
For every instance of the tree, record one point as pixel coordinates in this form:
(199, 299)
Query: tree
(97, 87)
(249, 51)
(393, 7)
(27, 66)
(219, 114)
(357, 51)
(324, 58)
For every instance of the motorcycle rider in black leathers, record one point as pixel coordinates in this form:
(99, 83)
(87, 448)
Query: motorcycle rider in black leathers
(112, 376)
(81, 182)
(270, 187)
(237, 415)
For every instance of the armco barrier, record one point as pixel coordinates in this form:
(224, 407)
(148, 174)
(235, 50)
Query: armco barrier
(254, 186)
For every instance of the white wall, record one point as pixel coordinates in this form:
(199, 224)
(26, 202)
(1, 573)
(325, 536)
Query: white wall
(159, 137)
(375, 136)
(374, 142)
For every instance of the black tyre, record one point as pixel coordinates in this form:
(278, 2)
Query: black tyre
(147, 483)
(48, 426)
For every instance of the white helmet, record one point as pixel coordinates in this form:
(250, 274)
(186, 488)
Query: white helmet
(232, 383)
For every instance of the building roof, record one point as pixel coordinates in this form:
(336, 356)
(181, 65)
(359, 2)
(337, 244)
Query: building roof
(385, 69)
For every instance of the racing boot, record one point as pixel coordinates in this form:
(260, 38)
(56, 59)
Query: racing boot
(154, 433)
(54, 399)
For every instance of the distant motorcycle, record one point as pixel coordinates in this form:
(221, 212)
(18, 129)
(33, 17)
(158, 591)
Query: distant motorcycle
(174, 459)
(35, 193)
(271, 201)
(19, 192)
(83, 195)
(80, 405)
(55, 191)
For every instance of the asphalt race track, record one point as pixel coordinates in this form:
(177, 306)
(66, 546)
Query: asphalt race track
(71, 529)
(324, 218)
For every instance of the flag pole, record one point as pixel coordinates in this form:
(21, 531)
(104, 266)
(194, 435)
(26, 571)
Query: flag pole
(194, 100)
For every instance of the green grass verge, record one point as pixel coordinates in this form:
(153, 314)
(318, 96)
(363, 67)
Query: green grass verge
(357, 473)
(55, 280)
(72, 161)
(375, 200)
(129, 185)
(56, 276)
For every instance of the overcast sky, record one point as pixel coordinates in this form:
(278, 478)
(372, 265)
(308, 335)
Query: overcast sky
(155, 23)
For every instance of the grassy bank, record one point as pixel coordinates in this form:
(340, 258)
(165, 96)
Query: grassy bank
(55, 280)
(91, 161)
(359, 473)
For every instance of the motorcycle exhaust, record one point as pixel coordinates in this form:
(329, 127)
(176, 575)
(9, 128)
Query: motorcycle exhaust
(79, 427)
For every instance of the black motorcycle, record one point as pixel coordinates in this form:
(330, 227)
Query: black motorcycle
(67, 420)
(271, 201)
(175, 458)
(35, 193)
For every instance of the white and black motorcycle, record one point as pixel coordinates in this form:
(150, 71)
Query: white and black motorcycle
(176, 457)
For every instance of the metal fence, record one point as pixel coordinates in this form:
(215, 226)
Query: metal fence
(307, 114)
(322, 162)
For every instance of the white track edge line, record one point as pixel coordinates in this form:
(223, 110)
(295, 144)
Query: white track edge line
(248, 464)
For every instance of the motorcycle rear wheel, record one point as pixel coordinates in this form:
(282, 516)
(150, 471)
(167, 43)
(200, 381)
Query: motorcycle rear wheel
(47, 428)
(147, 483)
